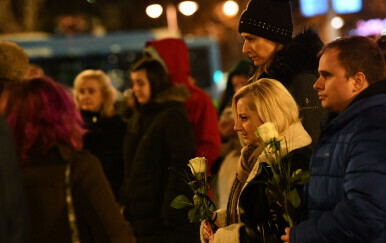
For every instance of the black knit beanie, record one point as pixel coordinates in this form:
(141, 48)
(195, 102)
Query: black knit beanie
(270, 19)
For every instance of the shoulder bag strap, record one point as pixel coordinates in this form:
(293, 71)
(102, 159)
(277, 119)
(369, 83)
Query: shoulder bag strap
(69, 201)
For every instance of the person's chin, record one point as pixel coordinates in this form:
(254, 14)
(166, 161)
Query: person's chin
(324, 103)
(258, 63)
(86, 108)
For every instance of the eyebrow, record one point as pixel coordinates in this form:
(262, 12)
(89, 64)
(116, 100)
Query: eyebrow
(242, 114)
(246, 35)
(324, 73)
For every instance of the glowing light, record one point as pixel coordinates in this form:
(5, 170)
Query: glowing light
(188, 7)
(91, 1)
(231, 8)
(154, 11)
(347, 6)
(371, 27)
(311, 8)
(218, 76)
(337, 22)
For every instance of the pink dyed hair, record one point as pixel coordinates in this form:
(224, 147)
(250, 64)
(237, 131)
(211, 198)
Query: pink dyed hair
(41, 112)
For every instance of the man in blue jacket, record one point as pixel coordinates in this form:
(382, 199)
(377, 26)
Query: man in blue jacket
(347, 199)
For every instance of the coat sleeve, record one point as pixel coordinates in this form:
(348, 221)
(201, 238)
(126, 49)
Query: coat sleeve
(180, 147)
(96, 204)
(228, 234)
(360, 217)
(203, 116)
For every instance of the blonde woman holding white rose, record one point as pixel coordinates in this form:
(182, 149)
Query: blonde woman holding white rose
(251, 216)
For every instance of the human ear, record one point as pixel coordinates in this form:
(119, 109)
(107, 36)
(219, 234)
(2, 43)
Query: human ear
(360, 82)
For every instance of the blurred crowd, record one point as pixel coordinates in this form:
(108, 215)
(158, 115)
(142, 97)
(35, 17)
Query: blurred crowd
(77, 164)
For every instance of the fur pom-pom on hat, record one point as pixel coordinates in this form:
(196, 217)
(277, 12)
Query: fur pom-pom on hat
(13, 61)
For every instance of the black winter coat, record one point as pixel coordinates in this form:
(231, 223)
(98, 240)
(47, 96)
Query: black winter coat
(259, 212)
(296, 67)
(159, 136)
(105, 141)
(13, 213)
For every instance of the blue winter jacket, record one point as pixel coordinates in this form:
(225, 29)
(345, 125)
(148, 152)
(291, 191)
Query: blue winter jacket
(347, 189)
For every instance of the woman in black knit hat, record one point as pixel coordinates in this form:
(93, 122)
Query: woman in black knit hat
(266, 27)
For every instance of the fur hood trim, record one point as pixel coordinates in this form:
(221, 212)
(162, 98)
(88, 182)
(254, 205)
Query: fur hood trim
(176, 92)
(299, 55)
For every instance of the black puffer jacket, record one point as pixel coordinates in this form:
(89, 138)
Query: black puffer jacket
(261, 213)
(296, 67)
(105, 141)
(159, 136)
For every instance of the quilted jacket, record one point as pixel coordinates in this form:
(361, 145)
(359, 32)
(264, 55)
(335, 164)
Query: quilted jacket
(347, 199)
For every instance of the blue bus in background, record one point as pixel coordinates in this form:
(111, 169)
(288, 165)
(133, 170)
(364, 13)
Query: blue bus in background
(63, 57)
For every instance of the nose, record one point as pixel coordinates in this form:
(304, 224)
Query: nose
(246, 47)
(134, 88)
(318, 84)
(237, 127)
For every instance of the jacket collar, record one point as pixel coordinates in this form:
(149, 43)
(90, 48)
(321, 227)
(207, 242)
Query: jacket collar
(65, 151)
(373, 94)
(299, 55)
(293, 138)
(374, 89)
(175, 93)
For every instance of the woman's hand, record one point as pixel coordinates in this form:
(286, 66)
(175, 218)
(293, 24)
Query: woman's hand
(286, 238)
(211, 238)
(207, 231)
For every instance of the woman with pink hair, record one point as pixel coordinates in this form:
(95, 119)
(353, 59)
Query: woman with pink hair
(67, 194)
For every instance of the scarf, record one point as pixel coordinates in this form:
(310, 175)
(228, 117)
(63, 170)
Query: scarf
(248, 158)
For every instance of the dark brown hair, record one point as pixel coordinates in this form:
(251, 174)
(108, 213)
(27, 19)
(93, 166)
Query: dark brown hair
(359, 54)
(158, 77)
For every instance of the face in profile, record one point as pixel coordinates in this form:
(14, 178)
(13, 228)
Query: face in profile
(257, 48)
(141, 86)
(247, 121)
(238, 81)
(89, 95)
(334, 89)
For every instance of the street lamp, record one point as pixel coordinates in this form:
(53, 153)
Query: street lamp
(186, 8)
(337, 22)
(230, 8)
(154, 10)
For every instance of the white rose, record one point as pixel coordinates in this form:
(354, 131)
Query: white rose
(197, 165)
(267, 132)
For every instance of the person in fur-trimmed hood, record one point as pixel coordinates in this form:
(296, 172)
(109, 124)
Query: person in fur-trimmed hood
(159, 140)
(173, 53)
(266, 27)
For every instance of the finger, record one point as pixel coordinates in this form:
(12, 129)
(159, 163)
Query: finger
(211, 239)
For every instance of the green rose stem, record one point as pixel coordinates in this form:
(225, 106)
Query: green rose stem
(200, 184)
(280, 170)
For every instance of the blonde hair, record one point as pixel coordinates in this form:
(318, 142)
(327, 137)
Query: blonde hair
(107, 90)
(13, 61)
(272, 102)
